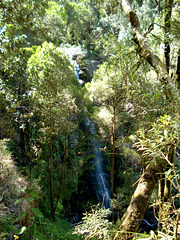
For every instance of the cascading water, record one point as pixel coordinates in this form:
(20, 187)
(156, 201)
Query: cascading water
(73, 52)
(99, 176)
(76, 69)
(101, 184)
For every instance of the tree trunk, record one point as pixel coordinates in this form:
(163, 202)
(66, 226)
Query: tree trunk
(167, 190)
(161, 187)
(164, 189)
(146, 52)
(112, 157)
(178, 70)
(164, 183)
(139, 201)
(51, 180)
(167, 27)
(135, 212)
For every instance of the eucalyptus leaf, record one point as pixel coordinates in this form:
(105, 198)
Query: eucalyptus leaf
(35, 194)
(30, 199)
(18, 201)
(37, 212)
(20, 216)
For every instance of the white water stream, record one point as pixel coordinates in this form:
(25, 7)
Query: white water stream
(100, 178)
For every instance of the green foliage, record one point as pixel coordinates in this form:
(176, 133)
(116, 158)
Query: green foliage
(123, 194)
(20, 215)
(41, 102)
(21, 230)
(45, 229)
(157, 143)
(37, 212)
(14, 190)
(51, 78)
(6, 226)
(49, 68)
(53, 92)
(95, 224)
(108, 93)
(15, 18)
(65, 179)
(78, 22)
(169, 226)
(146, 11)
(130, 157)
(22, 12)
(55, 23)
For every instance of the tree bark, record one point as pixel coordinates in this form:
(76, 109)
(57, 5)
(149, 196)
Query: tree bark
(164, 183)
(139, 201)
(135, 212)
(164, 189)
(167, 27)
(146, 52)
(51, 180)
(112, 157)
(178, 70)
(161, 187)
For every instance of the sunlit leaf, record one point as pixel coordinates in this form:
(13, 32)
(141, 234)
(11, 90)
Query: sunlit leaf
(18, 201)
(21, 230)
(37, 212)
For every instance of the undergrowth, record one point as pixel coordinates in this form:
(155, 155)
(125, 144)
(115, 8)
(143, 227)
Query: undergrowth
(45, 229)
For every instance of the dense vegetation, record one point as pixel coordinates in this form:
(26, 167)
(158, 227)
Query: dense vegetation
(83, 82)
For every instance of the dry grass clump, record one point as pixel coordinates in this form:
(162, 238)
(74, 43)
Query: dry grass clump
(15, 192)
(12, 184)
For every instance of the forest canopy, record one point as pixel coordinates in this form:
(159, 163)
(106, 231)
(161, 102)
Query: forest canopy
(89, 119)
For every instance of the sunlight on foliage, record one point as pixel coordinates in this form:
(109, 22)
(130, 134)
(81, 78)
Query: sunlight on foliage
(95, 224)
(156, 144)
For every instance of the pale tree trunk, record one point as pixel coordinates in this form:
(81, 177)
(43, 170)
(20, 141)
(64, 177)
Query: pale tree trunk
(139, 201)
(51, 180)
(178, 70)
(137, 207)
(167, 28)
(146, 52)
(164, 183)
(134, 214)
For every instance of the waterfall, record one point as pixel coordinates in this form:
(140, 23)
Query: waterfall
(100, 178)
(72, 53)
(76, 69)
(101, 184)
(99, 175)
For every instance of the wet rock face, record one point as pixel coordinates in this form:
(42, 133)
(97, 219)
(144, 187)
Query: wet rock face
(84, 74)
(92, 67)
(86, 68)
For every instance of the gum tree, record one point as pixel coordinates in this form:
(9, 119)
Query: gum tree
(108, 93)
(51, 80)
(15, 18)
(157, 158)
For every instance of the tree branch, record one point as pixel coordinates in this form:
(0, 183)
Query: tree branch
(145, 50)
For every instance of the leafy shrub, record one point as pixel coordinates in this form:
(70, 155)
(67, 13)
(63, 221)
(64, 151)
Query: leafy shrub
(11, 184)
(17, 196)
(45, 229)
(95, 224)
